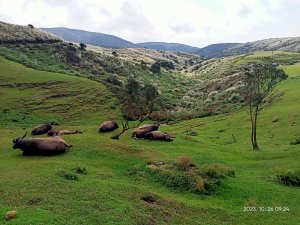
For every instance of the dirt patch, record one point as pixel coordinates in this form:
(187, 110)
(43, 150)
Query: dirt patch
(34, 201)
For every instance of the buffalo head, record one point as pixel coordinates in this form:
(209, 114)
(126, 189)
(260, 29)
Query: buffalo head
(17, 141)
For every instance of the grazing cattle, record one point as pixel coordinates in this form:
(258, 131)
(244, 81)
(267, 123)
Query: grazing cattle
(41, 146)
(42, 129)
(53, 132)
(158, 135)
(108, 126)
(140, 131)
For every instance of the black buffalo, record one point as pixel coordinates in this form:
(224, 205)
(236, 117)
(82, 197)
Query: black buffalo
(41, 146)
(42, 128)
(108, 126)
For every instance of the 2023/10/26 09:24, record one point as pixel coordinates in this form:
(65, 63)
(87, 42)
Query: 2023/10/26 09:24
(266, 209)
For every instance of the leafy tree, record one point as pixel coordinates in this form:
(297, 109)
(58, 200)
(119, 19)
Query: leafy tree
(155, 67)
(82, 46)
(167, 65)
(143, 64)
(71, 55)
(260, 80)
(138, 103)
(114, 53)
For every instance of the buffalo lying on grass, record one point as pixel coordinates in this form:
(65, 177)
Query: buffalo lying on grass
(108, 126)
(158, 135)
(42, 129)
(148, 127)
(53, 132)
(141, 131)
(41, 146)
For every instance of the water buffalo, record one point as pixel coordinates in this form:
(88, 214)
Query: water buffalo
(158, 135)
(53, 132)
(108, 126)
(140, 131)
(149, 127)
(42, 129)
(41, 146)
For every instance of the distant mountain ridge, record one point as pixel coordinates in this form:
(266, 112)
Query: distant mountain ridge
(291, 44)
(93, 38)
(215, 50)
(164, 46)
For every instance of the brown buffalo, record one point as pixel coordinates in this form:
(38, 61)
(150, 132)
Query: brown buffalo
(149, 127)
(53, 132)
(140, 131)
(42, 129)
(108, 126)
(41, 146)
(158, 135)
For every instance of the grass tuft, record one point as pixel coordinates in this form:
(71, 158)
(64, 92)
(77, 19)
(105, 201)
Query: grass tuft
(67, 175)
(80, 169)
(289, 178)
(179, 175)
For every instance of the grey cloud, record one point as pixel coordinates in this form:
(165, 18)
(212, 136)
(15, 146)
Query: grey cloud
(245, 11)
(131, 25)
(77, 16)
(104, 12)
(182, 28)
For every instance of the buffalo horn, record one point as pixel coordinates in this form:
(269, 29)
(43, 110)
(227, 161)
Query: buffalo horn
(24, 135)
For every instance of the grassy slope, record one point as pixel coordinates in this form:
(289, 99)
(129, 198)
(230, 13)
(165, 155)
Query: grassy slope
(108, 195)
(29, 96)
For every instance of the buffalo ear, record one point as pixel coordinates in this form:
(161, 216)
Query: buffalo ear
(14, 141)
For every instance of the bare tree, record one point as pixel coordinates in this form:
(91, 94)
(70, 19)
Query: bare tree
(260, 80)
(138, 103)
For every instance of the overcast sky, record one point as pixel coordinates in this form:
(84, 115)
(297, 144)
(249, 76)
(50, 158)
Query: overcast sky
(193, 22)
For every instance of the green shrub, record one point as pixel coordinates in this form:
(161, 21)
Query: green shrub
(177, 180)
(183, 162)
(182, 175)
(296, 142)
(216, 171)
(149, 197)
(289, 178)
(155, 67)
(67, 175)
(190, 133)
(234, 97)
(80, 169)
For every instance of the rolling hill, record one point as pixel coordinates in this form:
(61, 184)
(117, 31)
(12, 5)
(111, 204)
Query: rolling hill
(10, 33)
(215, 50)
(163, 46)
(290, 44)
(86, 37)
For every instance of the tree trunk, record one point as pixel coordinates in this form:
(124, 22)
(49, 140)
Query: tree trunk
(254, 137)
(125, 126)
(119, 134)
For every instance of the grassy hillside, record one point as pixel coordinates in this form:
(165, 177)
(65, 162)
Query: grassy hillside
(26, 94)
(116, 179)
(194, 88)
(288, 44)
(10, 33)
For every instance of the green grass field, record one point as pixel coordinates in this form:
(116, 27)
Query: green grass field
(111, 191)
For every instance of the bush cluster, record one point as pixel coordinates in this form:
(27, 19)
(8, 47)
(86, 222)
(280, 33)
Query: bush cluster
(183, 175)
(289, 178)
